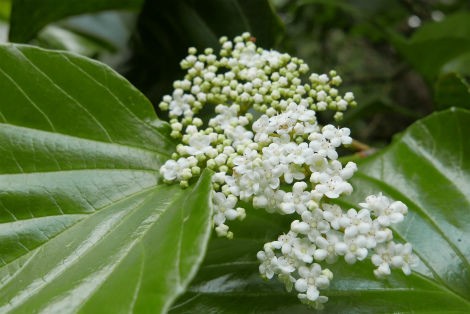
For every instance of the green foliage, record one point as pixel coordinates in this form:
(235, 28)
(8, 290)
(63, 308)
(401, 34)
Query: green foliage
(435, 44)
(460, 65)
(85, 223)
(5, 8)
(439, 51)
(354, 38)
(452, 90)
(103, 36)
(25, 22)
(428, 167)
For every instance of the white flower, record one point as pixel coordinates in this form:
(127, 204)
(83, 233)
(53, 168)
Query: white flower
(266, 268)
(356, 249)
(224, 207)
(317, 163)
(297, 200)
(179, 105)
(337, 137)
(319, 144)
(285, 242)
(199, 144)
(293, 172)
(387, 213)
(311, 279)
(272, 57)
(249, 57)
(267, 166)
(298, 154)
(396, 255)
(239, 135)
(317, 224)
(359, 223)
(226, 116)
(303, 250)
(335, 216)
(270, 198)
(332, 187)
(283, 265)
(172, 169)
(348, 171)
(404, 258)
(329, 248)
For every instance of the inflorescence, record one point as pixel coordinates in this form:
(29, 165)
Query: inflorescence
(266, 147)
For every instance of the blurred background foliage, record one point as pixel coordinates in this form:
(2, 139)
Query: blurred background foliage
(403, 59)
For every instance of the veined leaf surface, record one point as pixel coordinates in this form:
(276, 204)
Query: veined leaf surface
(84, 223)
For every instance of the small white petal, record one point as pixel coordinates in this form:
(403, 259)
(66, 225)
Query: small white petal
(301, 285)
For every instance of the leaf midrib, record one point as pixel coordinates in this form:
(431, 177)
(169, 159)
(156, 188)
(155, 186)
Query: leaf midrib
(86, 215)
(75, 261)
(79, 170)
(130, 147)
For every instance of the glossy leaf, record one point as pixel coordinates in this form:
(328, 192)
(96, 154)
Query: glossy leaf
(29, 16)
(429, 169)
(132, 256)
(84, 224)
(54, 37)
(460, 65)
(452, 90)
(103, 36)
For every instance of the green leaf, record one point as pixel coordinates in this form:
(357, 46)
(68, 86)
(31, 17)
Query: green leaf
(452, 90)
(55, 37)
(29, 16)
(460, 65)
(5, 8)
(84, 224)
(102, 36)
(428, 168)
(135, 255)
(435, 44)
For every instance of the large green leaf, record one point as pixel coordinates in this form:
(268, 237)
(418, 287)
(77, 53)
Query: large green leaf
(29, 16)
(84, 224)
(429, 169)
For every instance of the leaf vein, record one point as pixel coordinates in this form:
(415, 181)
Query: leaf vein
(29, 99)
(64, 92)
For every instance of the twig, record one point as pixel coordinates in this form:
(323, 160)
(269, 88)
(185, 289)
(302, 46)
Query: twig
(359, 146)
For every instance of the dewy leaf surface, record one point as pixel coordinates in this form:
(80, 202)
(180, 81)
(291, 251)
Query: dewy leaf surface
(428, 168)
(84, 223)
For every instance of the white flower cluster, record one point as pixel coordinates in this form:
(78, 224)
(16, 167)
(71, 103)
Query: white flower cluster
(266, 148)
(325, 232)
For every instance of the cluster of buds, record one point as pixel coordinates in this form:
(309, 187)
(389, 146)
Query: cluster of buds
(248, 115)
